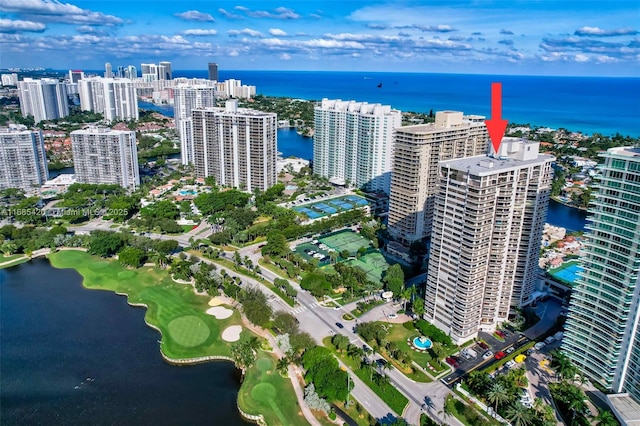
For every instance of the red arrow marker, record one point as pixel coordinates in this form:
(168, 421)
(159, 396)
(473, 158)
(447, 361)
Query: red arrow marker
(496, 126)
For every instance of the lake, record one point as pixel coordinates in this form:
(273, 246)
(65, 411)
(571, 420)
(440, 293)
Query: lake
(75, 356)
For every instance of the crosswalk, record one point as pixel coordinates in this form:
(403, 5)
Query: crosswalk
(301, 309)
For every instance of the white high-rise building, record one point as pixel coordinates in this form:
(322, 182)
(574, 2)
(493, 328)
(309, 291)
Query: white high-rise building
(23, 160)
(165, 72)
(114, 98)
(75, 76)
(105, 156)
(187, 98)
(108, 71)
(10, 79)
(131, 72)
(417, 151)
(353, 141)
(237, 146)
(44, 99)
(602, 332)
(485, 245)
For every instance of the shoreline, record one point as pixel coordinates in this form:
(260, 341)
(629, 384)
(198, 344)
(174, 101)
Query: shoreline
(259, 418)
(564, 203)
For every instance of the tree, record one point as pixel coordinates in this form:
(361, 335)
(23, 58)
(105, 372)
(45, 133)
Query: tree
(255, 306)
(282, 366)
(439, 350)
(104, 243)
(605, 418)
(418, 307)
(131, 256)
(243, 355)
(8, 248)
(277, 245)
(405, 295)
(519, 415)
(340, 341)
(497, 395)
(394, 279)
(285, 323)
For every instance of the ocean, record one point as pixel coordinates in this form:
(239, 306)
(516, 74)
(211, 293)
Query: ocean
(587, 104)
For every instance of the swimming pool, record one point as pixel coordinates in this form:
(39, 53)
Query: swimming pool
(187, 192)
(568, 274)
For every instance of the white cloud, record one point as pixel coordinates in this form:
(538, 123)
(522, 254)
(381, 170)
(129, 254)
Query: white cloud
(599, 32)
(17, 26)
(246, 31)
(285, 56)
(277, 32)
(199, 32)
(55, 11)
(195, 15)
(278, 13)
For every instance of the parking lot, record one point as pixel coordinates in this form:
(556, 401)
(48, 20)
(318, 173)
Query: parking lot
(481, 355)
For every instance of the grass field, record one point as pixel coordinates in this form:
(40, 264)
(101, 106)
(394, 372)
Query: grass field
(187, 331)
(14, 259)
(264, 391)
(399, 334)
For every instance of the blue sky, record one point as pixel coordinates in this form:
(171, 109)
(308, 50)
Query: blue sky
(597, 38)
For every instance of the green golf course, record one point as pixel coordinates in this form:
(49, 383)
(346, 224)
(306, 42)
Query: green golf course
(264, 391)
(187, 330)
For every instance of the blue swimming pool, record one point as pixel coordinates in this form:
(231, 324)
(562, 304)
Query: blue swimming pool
(568, 274)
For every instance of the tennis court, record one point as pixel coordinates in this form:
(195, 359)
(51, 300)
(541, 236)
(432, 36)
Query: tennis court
(310, 213)
(358, 200)
(325, 208)
(345, 240)
(318, 209)
(374, 264)
(341, 204)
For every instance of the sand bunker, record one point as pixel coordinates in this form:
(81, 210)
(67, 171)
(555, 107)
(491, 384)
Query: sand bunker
(219, 312)
(215, 301)
(232, 334)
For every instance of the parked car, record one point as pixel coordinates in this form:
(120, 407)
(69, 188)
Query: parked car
(501, 333)
(549, 340)
(336, 308)
(339, 325)
(500, 355)
(393, 316)
(539, 346)
(511, 349)
(510, 363)
(483, 345)
(487, 355)
(452, 362)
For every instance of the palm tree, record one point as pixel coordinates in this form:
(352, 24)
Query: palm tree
(519, 415)
(282, 365)
(405, 295)
(605, 418)
(497, 395)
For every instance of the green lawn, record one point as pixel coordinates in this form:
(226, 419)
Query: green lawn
(13, 260)
(187, 330)
(399, 334)
(388, 393)
(264, 391)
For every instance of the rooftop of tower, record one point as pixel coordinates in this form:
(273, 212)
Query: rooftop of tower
(627, 151)
(515, 153)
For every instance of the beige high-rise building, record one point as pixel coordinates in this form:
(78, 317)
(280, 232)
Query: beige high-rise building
(23, 160)
(487, 227)
(417, 151)
(237, 146)
(103, 155)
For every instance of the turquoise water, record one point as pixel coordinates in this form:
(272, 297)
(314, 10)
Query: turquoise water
(185, 192)
(568, 274)
(418, 344)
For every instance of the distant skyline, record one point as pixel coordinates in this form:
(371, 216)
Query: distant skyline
(585, 38)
